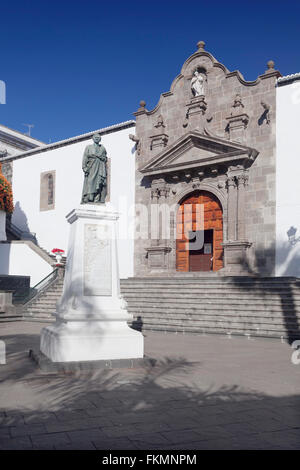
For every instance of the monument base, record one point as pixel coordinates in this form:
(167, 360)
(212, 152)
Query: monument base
(91, 315)
(90, 341)
(48, 366)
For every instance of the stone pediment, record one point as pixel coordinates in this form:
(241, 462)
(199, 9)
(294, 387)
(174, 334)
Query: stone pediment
(195, 150)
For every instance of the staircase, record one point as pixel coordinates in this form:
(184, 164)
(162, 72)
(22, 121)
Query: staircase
(267, 307)
(43, 305)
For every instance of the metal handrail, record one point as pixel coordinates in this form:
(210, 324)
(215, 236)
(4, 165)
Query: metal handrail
(39, 287)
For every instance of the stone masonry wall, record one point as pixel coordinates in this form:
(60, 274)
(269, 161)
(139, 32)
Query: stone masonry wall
(220, 90)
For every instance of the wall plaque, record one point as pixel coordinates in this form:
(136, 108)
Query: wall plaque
(97, 260)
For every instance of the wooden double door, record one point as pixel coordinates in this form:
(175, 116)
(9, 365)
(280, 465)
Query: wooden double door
(199, 246)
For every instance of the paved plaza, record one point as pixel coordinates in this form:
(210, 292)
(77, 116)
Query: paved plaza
(205, 392)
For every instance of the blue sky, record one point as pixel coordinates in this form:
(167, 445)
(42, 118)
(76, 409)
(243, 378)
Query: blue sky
(74, 66)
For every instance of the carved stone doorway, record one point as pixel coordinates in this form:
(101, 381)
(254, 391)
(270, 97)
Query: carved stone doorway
(207, 254)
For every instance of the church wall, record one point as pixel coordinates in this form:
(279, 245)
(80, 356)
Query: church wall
(50, 226)
(287, 178)
(221, 89)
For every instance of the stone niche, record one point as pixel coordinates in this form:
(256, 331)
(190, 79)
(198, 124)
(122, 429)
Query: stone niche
(206, 136)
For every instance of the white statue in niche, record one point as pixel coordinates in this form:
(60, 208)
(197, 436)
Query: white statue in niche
(197, 84)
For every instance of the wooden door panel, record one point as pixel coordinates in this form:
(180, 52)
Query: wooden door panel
(186, 221)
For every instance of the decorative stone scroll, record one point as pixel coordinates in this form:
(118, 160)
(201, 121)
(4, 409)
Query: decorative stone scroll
(159, 138)
(237, 121)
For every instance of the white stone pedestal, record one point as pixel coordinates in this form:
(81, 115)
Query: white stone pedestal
(3, 226)
(91, 317)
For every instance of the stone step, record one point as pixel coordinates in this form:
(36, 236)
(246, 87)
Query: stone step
(243, 296)
(255, 322)
(264, 333)
(8, 318)
(39, 311)
(45, 314)
(238, 329)
(209, 288)
(42, 303)
(230, 323)
(251, 316)
(201, 306)
(39, 319)
(211, 282)
(206, 299)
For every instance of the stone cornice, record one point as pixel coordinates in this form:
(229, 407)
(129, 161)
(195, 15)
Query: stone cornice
(224, 151)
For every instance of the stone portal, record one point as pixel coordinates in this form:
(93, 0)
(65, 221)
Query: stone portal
(199, 230)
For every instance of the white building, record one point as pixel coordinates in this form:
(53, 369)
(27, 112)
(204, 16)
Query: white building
(47, 184)
(288, 176)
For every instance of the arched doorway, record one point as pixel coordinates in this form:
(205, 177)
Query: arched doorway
(208, 254)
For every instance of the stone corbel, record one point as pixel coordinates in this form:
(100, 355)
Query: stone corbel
(155, 193)
(265, 116)
(159, 189)
(197, 105)
(159, 137)
(137, 141)
(238, 120)
(158, 141)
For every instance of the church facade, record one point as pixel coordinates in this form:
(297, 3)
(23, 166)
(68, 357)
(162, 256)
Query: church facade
(204, 183)
(210, 142)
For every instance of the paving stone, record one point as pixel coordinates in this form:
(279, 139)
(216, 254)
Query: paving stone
(16, 443)
(4, 433)
(113, 444)
(27, 430)
(40, 418)
(181, 436)
(49, 440)
(119, 431)
(12, 420)
(237, 394)
(150, 441)
(103, 411)
(147, 427)
(70, 415)
(75, 425)
(76, 446)
(240, 428)
(87, 434)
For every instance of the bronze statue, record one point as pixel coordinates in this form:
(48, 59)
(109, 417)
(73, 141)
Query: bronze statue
(95, 172)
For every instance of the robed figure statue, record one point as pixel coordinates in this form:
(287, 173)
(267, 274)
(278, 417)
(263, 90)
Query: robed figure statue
(95, 172)
(197, 84)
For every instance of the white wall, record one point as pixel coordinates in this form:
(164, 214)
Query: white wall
(20, 260)
(51, 227)
(287, 178)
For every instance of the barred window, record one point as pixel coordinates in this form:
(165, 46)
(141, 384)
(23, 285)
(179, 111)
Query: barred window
(47, 190)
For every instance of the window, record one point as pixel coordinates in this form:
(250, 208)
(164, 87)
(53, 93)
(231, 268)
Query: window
(47, 190)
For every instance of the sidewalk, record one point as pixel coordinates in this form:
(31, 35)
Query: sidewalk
(206, 392)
